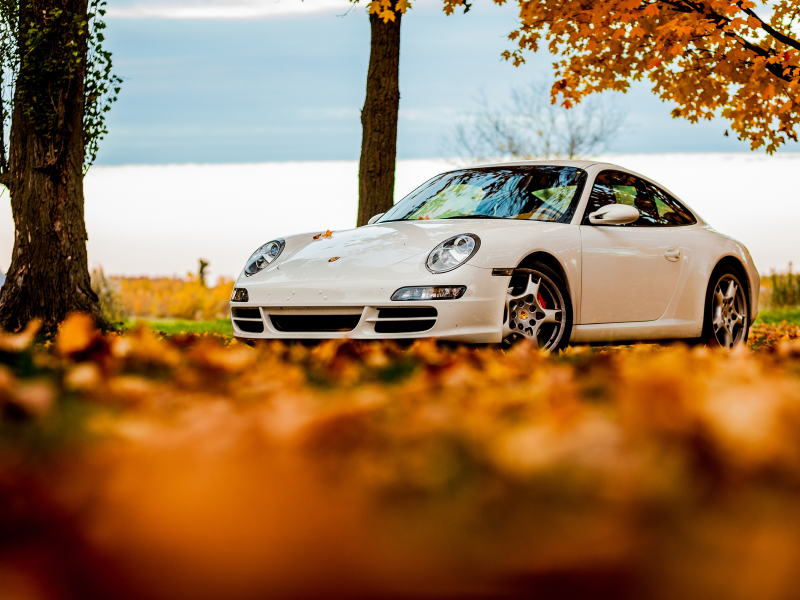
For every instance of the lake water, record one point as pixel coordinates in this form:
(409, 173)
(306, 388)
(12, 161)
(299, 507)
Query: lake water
(159, 220)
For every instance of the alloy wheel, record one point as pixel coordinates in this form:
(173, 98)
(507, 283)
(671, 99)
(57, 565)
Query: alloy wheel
(729, 312)
(535, 312)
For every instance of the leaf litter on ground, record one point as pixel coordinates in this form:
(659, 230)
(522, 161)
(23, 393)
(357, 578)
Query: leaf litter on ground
(192, 466)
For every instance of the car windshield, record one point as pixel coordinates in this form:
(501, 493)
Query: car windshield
(536, 193)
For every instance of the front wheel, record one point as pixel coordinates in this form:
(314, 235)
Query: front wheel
(726, 320)
(538, 308)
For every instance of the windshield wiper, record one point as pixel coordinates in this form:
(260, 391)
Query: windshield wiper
(445, 218)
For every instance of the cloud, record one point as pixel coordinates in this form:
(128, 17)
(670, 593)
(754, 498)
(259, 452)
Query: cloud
(225, 9)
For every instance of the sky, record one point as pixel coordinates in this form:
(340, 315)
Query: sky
(233, 81)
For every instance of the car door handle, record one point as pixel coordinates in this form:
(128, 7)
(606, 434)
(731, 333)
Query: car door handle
(672, 254)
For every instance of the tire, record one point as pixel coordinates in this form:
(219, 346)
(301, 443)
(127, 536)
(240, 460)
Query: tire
(726, 312)
(549, 326)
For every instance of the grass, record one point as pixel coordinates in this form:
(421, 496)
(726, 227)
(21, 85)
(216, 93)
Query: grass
(223, 326)
(176, 326)
(777, 315)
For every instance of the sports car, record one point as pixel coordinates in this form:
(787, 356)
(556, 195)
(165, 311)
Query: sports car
(556, 252)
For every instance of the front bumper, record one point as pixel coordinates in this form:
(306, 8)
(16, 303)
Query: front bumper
(476, 317)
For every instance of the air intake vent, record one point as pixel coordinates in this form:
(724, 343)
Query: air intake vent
(407, 313)
(405, 319)
(250, 326)
(247, 313)
(315, 323)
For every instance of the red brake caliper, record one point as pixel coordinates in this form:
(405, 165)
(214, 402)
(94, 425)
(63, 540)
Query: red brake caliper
(542, 303)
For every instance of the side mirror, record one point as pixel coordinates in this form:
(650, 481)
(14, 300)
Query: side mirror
(614, 214)
(375, 218)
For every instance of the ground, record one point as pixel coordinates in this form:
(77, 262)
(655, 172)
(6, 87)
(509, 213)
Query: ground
(175, 326)
(141, 465)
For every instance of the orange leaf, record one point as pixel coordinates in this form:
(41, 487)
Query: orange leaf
(75, 334)
(16, 342)
(651, 11)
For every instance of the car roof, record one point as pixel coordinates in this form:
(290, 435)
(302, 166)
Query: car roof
(582, 164)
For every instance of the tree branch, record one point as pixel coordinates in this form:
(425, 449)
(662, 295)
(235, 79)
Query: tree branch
(785, 39)
(688, 7)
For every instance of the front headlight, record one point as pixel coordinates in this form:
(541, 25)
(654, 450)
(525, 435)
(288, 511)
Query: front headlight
(453, 253)
(264, 257)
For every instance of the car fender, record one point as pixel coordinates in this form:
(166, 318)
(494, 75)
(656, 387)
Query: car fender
(504, 248)
(712, 248)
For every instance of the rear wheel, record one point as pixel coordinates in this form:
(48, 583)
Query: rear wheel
(727, 316)
(538, 308)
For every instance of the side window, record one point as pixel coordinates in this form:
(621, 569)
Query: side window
(616, 187)
(670, 211)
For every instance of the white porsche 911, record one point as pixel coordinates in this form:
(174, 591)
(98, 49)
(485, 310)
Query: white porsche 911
(557, 252)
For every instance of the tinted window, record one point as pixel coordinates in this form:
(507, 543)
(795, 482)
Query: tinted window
(616, 187)
(656, 207)
(670, 211)
(536, 193)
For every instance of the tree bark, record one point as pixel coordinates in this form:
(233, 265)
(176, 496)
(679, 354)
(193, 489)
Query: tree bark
(49, 273)
(379, 120)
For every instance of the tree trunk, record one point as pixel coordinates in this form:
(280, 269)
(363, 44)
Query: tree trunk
(49, 273)
(379, 120)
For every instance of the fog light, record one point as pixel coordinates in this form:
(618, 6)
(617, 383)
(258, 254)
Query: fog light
(434, 292)
(240, 295)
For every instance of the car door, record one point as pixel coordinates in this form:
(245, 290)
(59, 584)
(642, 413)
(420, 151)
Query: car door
(629, 272)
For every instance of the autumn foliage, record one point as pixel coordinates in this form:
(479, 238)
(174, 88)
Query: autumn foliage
(123, 298)
(137, 467)
(737, 59)
(386, 9)
(164, 297)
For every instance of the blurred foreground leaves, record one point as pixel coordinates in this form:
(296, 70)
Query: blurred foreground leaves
(133, 466)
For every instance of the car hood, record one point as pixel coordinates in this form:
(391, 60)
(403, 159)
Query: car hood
(386, 244)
